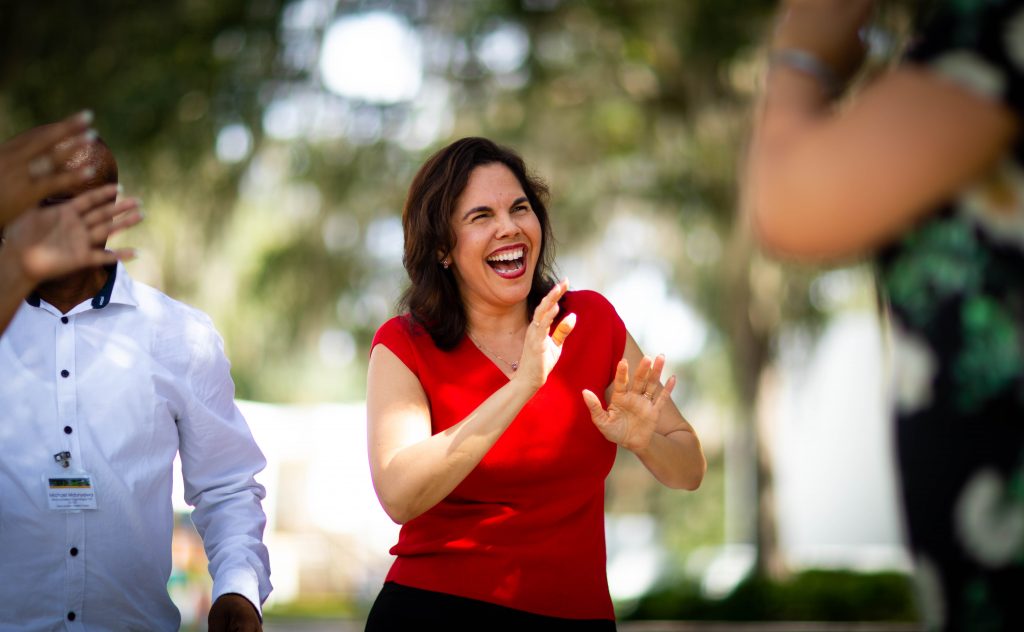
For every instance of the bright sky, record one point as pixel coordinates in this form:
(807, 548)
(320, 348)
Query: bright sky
(372, 56)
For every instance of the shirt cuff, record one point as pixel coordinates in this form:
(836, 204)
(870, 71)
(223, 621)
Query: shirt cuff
(242, 581)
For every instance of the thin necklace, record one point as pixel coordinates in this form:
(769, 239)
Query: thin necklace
(513, 365)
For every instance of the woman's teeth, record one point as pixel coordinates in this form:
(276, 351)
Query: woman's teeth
(507, 261)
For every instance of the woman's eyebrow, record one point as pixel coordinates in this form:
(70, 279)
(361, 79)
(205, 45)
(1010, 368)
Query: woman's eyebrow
(475, 209)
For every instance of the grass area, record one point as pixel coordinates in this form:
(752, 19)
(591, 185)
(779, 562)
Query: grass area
(314, 609)
(816, 595)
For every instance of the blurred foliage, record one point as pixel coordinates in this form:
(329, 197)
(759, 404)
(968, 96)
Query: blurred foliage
(817, 595)
(618, 104)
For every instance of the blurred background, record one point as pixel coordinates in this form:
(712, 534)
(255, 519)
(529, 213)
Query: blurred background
(272, 142)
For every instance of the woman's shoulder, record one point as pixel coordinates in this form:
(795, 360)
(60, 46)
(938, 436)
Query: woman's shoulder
(594, 312)
(589, 300)
(403, 327)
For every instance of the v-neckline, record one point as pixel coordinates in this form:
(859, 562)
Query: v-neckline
(487, 358)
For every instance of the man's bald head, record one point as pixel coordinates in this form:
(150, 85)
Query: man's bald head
(97, 155)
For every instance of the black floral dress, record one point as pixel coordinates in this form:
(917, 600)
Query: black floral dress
(955, 287)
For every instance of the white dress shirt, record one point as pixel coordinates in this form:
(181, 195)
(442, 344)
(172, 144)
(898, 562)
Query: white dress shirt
(123, 382)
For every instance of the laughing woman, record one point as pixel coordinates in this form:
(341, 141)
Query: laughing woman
(495, 405)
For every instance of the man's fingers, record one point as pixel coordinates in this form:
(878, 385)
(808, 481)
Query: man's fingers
(563, 329)
(126, 220)
(59, 181)
(43, 139)
(66, 150)
(123, 254)
(86, 202)
(121, 211)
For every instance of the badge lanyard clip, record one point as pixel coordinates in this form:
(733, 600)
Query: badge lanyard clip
(64, 458)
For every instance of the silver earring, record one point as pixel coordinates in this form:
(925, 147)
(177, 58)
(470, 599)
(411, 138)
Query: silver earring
(445, 263)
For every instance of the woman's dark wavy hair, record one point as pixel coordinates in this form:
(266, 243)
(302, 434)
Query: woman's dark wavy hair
(432, 298)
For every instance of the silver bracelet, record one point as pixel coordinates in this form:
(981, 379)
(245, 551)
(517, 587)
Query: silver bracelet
(809, 64)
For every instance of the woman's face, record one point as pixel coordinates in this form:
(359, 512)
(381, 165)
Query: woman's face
(497, 239)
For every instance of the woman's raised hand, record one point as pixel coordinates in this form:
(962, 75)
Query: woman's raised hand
(540, 350)
(634, 405)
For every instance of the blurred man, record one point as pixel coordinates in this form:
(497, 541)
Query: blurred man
(103, 381)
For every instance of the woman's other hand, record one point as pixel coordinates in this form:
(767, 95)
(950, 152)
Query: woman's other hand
(634, 406)
(540, 350)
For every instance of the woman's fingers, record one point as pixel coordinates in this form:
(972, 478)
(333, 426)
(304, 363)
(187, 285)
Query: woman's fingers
(597, 411)
(652, 381)
(563, 329)
(666, 393)
(548, 307)
(621, 376)
(640, 377)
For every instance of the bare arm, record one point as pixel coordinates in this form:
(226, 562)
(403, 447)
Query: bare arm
(649, 425)
(825, 182)
(413, 469)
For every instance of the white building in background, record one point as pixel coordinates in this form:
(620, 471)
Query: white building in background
(326, 532)
(836, 490)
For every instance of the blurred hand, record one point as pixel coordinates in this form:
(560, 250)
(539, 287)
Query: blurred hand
(828, 29)
(233, 613)
(634, 406)
(53, 241)
(31, 164)
(541, 351)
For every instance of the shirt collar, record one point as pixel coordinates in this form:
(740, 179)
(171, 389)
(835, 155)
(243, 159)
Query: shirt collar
(118, 289)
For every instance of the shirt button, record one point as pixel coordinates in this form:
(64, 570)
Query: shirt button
(64, 373)
(67, 429)
(64, 319)
(73, 551)
(71, 616)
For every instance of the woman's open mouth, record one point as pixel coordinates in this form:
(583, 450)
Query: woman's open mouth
(508, 263)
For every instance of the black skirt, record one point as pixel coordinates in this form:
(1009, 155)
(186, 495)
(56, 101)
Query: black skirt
(402, 608)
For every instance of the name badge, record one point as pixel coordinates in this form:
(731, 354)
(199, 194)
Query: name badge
(70, 492)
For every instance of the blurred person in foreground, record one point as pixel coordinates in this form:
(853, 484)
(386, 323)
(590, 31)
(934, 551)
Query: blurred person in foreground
(104, 380)
(921, 170)
(66, 237)
(495, 406)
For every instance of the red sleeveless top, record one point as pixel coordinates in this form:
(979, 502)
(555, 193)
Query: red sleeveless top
(525, 529)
